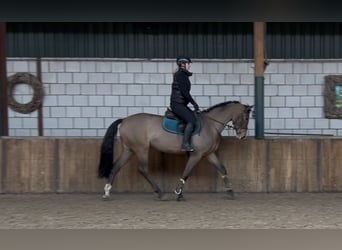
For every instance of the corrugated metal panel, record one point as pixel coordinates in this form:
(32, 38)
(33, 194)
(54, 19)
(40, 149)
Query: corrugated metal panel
(304, 40)
(167, 40)
(122, 40)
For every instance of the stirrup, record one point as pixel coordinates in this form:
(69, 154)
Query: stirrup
(187, 147)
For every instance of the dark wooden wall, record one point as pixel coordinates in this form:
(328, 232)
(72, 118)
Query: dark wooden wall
(68, 165)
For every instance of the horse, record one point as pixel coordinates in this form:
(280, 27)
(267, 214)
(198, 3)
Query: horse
(139, 132)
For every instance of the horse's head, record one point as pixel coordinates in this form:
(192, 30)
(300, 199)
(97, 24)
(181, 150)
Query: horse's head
(231, 111)
(240, 122)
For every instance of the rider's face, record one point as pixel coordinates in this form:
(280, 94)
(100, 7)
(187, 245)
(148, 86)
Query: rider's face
(187, 66)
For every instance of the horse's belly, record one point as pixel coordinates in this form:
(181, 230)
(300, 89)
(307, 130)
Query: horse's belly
(167, 144)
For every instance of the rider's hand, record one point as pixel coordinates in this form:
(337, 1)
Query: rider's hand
(196, 108)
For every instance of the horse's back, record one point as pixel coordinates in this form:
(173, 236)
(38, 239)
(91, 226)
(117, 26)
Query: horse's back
(140, 123)
(139, 119)
(142, 130)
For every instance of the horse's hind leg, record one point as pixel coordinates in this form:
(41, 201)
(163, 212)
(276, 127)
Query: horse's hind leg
(118, 164)
(193, 160)
(212, 158)
(143, 170)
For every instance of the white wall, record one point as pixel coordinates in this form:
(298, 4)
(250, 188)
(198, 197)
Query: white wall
(83, 96)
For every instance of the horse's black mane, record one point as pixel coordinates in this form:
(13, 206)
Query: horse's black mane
(219, 105)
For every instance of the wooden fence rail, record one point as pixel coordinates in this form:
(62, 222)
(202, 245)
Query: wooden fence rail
(69, 165)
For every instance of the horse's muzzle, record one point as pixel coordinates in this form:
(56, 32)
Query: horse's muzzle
(241, 137)
(242, 134)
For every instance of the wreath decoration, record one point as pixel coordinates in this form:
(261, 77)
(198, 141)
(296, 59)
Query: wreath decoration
(31, 80)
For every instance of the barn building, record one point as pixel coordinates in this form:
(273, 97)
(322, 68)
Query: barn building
(92, 73)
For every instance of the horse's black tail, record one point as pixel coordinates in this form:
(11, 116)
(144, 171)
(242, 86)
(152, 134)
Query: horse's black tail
(107, 150)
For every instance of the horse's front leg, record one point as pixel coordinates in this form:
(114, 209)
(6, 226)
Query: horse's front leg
(212, 158)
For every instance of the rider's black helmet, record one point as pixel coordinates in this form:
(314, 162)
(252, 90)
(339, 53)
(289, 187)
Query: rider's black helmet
(183, 59)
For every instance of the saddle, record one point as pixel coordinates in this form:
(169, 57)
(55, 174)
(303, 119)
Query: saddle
(169, 114)
(174, 124)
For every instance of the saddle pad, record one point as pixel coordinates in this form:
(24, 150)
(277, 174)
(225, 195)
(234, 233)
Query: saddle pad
(172, 126)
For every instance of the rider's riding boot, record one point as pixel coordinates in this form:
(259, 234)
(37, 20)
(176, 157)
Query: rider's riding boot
(186, 145)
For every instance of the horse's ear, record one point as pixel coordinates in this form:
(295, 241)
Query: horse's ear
(249, 108)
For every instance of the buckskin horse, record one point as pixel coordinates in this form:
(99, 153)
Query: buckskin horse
(150, 133)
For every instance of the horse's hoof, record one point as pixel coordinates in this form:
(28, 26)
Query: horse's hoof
(180, 198)
(105, 197)
(161, 197)
(164, 198)
(230, 194)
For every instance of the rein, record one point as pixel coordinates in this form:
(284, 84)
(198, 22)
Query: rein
(227, 126)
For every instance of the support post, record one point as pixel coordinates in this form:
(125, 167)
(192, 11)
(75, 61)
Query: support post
(3, 82)
(40, 109)
(259, 54)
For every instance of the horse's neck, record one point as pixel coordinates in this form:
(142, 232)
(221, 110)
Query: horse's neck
(221, 116)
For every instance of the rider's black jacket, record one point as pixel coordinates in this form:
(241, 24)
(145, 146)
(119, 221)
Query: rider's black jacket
(181, 86)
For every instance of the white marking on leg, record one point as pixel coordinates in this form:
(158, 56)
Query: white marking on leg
(178, 192)
(107, 189)
(179, 189)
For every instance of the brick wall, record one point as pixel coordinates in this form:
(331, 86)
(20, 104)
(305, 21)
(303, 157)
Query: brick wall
(83, 96)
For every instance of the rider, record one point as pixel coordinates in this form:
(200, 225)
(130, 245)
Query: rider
(181, 97)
